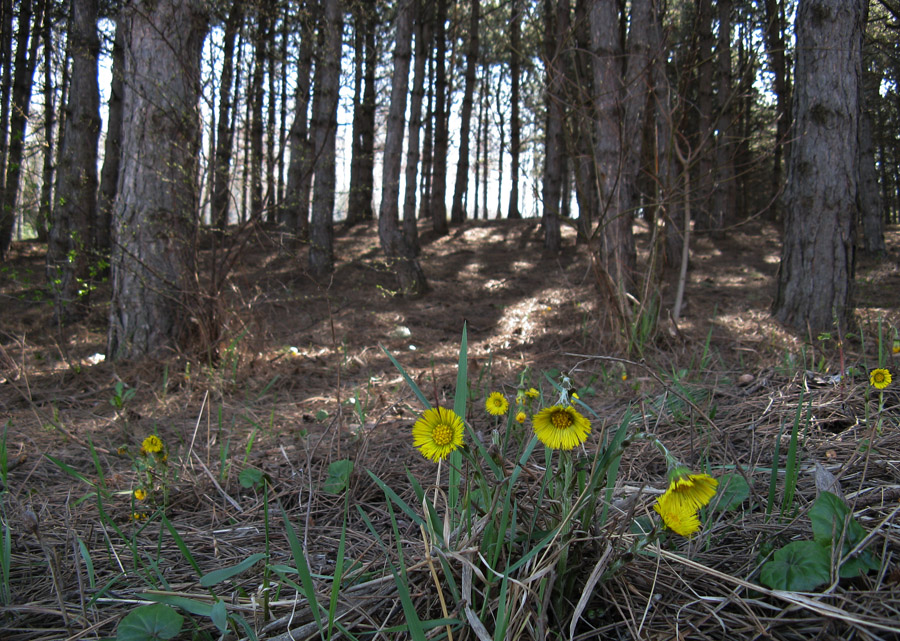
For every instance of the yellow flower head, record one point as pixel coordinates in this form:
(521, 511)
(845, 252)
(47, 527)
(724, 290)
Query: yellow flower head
(139, 516)
(694, 490)
(139, 494)
(438, 432)
(521, 416)
(895, 348)
(624, 376)
(561, 428)
(532, 393)
(152, 444)
(496, 404)
(880, 378)
(677, 514)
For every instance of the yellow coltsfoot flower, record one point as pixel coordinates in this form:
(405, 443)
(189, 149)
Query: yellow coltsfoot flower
(496, 404)
(695, 490)
(152, 444)
(677, 514)
(880, 378)
(561, 427)
(437, 433)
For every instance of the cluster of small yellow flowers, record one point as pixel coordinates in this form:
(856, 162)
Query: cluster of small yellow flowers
(151, 445)
(687, 493)
(138, 516)
(520, 417)
(880, 378)
(140, 494)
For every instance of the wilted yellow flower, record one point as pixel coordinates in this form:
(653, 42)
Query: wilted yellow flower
(521, 416)
(152, 444)
(694, 490)
(532, 393)
(895, 348)
(561, 428)
(438, 432)
(677, 514)
(496, 404)
(880, 378)
(140, 494)
(138, 516)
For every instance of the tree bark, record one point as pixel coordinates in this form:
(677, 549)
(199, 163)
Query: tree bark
(399, 252)
(457, 210)
(49, 167)
(156, 304)
(359, 205)
(515, 21)
(295, 209)
(724, 200)
(256, 95)
(221, 191)
(25, 60)
(775, 48)
(112, 149)
(817, 259)
(423, 43)
(74, 216)
(441, 126)
(324, 126)
(870, 208)
(555, 35)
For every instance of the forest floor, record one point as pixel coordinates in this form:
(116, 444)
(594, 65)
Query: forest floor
(303, 381)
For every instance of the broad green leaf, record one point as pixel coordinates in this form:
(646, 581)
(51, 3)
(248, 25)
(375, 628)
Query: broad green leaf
(800, 566)
(338, 476)
(191, 606)
(829, 514)
(155, 622)
(249, 477)
(217, 576)
(733, 490)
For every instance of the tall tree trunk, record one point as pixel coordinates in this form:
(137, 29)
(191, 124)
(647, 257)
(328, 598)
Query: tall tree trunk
(485, 138)
(424, 24)
(775, 49)
(74, 215)
(25, 60)
(255, 98)
(359, 204)
(556, 17)
(221, 189)
(620, 98)
(112, 149)
(6, 60)
(428, 142)
(724, 195)
(817, 259)
(870, 209)
(324, 126)
(156, 303)
(399, 252)
(515, 56)
(457, 211)
(580, 96)
(271, 197)
(49, 168)
(441, 125)
(295, 209)
(501, 129)
(702, 199)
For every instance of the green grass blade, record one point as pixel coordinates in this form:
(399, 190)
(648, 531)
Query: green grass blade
(338, 568)
(791, 466)
(409, 381)
(223, 574)
(88, 563)
(396, 499)
(185, 552)
(309, 588)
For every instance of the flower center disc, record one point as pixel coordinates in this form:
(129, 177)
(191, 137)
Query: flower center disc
(879, 377)
(561, 420)
(442, 434)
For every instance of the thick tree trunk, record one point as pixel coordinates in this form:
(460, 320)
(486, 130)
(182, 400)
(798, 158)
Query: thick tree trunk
(703, 147)
(556, 16)
(256, 94)
(156, 304)
(724, 200)
(354, 213)
(870, 208)
(25, 60)
(423, 43)
(6, 59)
(69, 247)
(775, 49)
(362, 163)
(515, 125)
(580, 140)
(441, 125)
(817, 259)
(112, 149)
(295, 209)
(324, 126)
(221, 188)
(457, 210)
(399, 252)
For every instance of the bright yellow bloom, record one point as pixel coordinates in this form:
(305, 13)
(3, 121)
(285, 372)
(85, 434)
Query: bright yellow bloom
(880, 378)
(140, 494)
(624, 376)
(895, 348)
(561, 428)
(694, 490)
(677, 514)
(152, 444)
(532, 393)
(496, 404)
(438, 432)
(521, 416)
